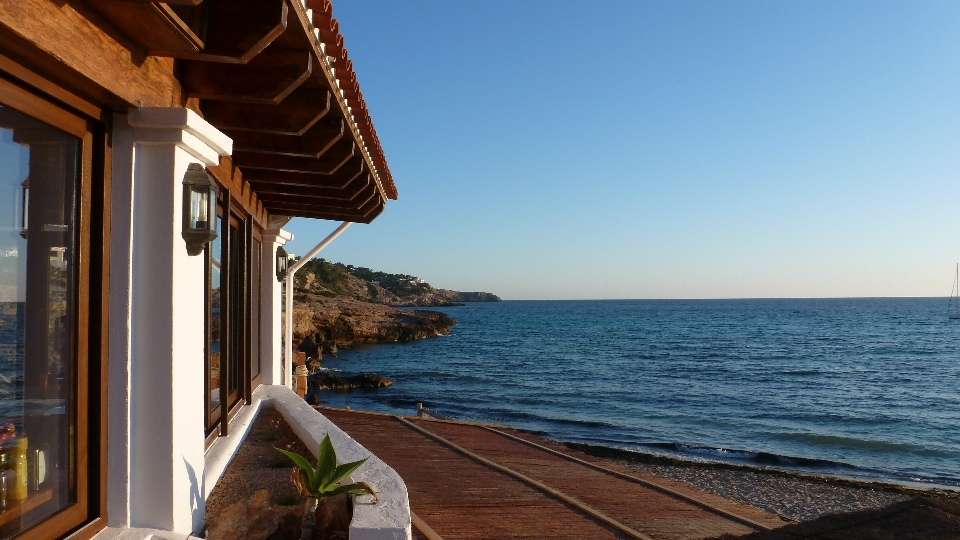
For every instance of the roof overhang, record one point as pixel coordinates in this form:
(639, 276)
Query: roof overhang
(274, 76)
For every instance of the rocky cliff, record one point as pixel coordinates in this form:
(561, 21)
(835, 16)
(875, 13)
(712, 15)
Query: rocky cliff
(342, 321)
(337, 305)
(336, 280)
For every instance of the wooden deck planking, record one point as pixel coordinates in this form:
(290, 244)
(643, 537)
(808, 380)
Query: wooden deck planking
(651, 512)
(460, 498)
(770, 520)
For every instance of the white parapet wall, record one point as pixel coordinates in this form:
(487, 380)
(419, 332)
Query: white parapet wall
(389, 519)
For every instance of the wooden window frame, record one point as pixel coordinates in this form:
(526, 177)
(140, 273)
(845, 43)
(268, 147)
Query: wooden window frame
(234, 219)
(211, 418)
(256, 311)
(87, 515)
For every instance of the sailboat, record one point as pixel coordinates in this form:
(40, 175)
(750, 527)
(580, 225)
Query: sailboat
(953, 309)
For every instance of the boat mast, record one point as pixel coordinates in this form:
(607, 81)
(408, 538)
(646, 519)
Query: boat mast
(954, 289)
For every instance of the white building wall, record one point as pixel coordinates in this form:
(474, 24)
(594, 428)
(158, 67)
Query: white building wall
(159, 475)
(271, 335)
(155, 425)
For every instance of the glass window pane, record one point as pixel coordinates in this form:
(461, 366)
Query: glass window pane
(39, 176)
(255, 285)
(213, 371)
(235, 317)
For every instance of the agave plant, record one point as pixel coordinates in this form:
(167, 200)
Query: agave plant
(324, 480)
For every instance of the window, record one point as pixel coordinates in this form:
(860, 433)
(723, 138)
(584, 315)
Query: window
(256, 252)
(47, 317)
(233, 316)
(214, 277)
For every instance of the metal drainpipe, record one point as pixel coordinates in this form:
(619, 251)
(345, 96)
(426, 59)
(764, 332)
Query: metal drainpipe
(288, 307)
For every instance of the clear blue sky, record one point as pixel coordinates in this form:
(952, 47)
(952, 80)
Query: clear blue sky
(627, 149)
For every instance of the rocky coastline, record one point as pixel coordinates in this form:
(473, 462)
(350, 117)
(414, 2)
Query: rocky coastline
(337, 306)
(326, 325)
(339, 322)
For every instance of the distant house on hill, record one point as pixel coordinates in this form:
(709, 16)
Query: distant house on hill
(166, 144)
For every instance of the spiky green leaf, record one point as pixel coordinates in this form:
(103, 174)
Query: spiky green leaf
(359, 488)
(299, 461)
(326, 463)
(344, 471)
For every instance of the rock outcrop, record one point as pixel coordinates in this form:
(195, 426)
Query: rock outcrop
(334, 280)
(443, 297)
(345, 322)
(328, 380)
(337, 305)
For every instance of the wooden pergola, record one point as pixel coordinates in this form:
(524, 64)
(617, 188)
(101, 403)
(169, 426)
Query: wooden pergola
(275, 77)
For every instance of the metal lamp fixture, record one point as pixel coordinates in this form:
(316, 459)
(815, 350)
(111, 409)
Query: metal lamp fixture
(282, 262)
(199, 209)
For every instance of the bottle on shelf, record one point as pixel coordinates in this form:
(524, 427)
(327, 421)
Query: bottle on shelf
(19, 458)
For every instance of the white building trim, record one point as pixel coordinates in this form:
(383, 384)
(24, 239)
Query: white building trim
(271, 330)
(158, 474)
(155, 433)
(389, 519)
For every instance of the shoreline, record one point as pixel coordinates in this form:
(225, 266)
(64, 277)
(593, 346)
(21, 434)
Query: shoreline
(795, 495)
(852, 479)
(648, 460)
(678, 458)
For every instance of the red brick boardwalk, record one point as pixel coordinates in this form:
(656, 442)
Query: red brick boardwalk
(463, 497)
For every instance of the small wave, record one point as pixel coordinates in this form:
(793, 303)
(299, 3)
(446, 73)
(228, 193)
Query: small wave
(441, 375)
(860, 444)
(497, 415)
(747, 456)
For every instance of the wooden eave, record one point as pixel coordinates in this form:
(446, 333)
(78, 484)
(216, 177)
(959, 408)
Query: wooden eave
(259, 73)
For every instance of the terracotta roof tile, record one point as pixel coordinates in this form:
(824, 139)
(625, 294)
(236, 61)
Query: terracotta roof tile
(343, 68)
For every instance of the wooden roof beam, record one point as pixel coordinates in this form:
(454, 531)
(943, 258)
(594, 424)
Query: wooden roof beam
(296, 114)
(346, 177)
(326, 165)
(267, 79)
(152, 26)
(239, 30)
(366, 216)
(317, 141)
(172, 2)
(361, 200)
(358, 212)
(348, 193)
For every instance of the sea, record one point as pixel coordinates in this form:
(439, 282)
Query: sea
(858, 388)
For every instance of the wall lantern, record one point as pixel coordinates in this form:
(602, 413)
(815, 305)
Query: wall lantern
(25, 200)
(282, 262)
(199, 208)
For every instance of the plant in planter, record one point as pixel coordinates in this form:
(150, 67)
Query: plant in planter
(331, 498)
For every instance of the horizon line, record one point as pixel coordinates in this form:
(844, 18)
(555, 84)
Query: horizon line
(718, 298)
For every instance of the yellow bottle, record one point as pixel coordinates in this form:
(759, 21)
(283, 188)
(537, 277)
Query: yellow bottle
(19, 491)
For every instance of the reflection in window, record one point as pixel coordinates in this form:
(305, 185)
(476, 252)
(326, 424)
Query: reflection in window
(235, 316)
(255, 285)
(39, 174)
(213, 373)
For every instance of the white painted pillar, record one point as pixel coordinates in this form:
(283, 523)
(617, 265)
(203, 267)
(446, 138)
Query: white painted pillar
(271, 334)
(156, 373)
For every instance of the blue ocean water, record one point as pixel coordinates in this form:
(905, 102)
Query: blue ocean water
(865, 388)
